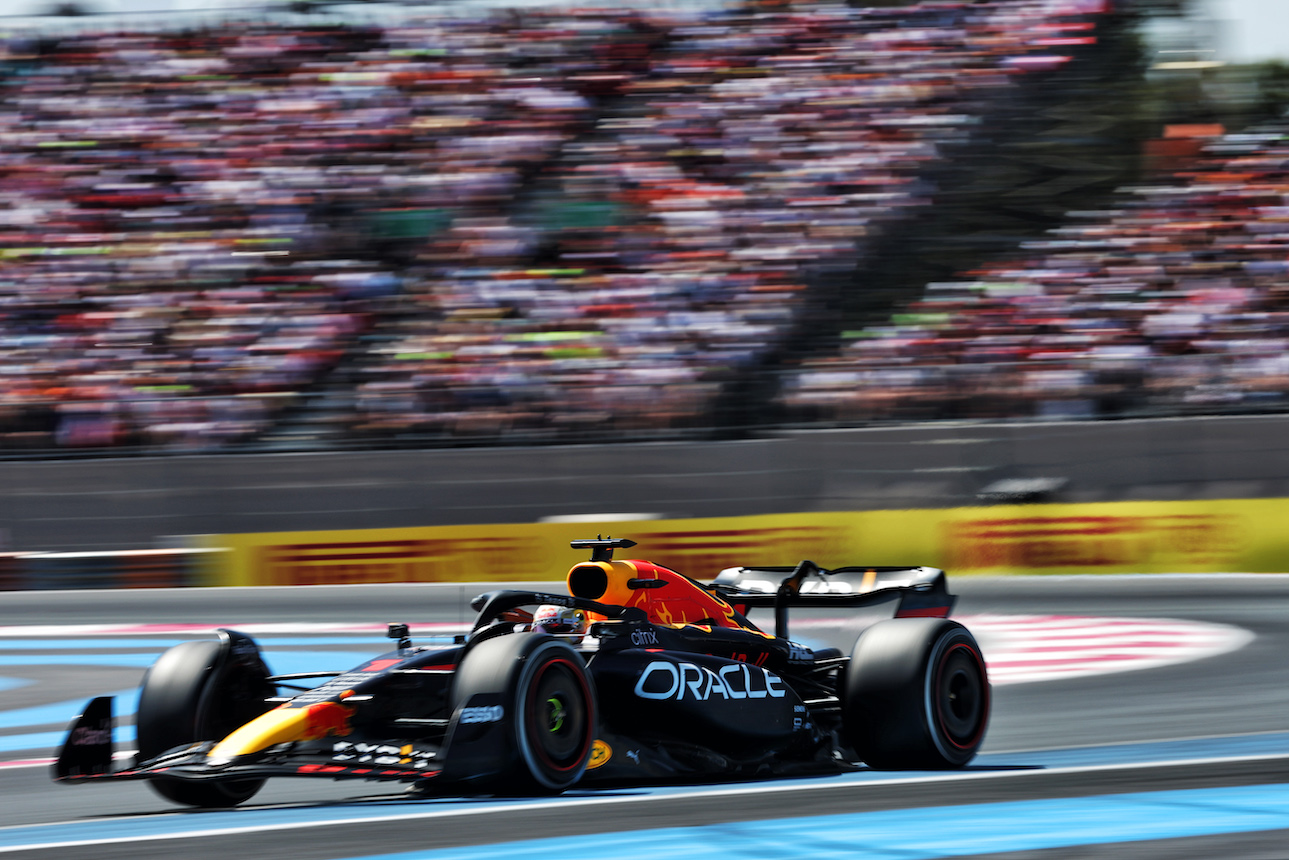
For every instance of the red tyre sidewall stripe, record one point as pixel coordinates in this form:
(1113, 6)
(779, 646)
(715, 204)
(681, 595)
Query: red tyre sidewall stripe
(984, 695)
(579, 673)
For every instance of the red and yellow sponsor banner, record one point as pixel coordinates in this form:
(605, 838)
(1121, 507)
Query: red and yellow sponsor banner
(1242, 535)
(1140, 537)
(333, 558)
(1211, 536)
(524, 551)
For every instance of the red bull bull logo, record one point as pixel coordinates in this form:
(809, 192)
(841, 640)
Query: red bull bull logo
(324, 719)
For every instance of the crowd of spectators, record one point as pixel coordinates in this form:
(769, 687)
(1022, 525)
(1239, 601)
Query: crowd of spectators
(1175, 301)
(741, 152)
(544, 223)
(188, 218)
(747, 150)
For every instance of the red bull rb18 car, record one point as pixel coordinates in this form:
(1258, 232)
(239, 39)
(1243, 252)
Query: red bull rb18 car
(638, 675)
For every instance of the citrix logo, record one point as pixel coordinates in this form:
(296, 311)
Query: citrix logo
(644, 637)
(662, 679)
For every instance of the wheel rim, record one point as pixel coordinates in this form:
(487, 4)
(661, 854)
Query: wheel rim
(555, 714)
(960, 697)
(559, 724)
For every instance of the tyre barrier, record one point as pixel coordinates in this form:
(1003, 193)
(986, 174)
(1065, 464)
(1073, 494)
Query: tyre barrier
(144, 568)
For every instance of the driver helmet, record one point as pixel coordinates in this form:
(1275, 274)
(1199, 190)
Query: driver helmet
(559, 619)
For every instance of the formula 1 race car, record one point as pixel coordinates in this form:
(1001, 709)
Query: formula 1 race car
(639, 675)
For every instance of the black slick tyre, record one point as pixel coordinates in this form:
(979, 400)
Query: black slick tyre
(188, 696)
(916, 695)
(550, 698)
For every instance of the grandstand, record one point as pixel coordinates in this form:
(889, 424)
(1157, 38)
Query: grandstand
(547, 225)
(1173, 302)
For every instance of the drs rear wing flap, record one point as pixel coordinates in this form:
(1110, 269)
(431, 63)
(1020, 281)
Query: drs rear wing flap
(920, 591)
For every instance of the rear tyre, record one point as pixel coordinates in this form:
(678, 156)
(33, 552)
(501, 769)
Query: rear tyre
(196, 691)
(550, 697)
(916, 695)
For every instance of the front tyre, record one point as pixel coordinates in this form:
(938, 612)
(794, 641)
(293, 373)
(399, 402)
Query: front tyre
(550, 697)
(556, 708)
(916, 695)
(199, 691)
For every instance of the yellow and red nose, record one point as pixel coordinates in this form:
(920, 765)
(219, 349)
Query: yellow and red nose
(283, 725)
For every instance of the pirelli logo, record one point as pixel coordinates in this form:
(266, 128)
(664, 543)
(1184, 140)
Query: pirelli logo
(704, 553)
(430, 560)
(1091, 542)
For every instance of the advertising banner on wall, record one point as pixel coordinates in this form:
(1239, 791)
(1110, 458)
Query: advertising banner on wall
(1121, 537)
(524, 552)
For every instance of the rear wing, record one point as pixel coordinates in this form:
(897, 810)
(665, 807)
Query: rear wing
(920, 591)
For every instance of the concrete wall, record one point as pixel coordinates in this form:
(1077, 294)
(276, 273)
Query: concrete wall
(136, 503)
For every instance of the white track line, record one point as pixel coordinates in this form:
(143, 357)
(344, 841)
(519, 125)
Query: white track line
(565, 802)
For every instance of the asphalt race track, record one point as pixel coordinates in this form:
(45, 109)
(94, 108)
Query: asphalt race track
(1184, 756)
